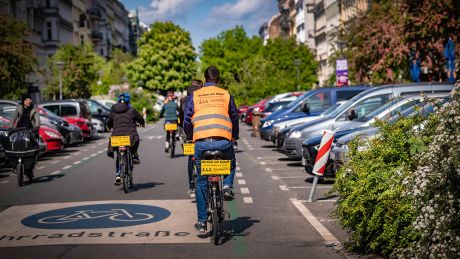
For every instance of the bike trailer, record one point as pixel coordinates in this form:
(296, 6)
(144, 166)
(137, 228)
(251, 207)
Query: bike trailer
(22, 144)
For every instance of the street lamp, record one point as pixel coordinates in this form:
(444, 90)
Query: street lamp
(297, 64)
(60, 65)
(99, 73)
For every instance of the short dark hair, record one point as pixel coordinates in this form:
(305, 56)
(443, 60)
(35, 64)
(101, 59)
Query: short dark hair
(197, 82)
(212, 74)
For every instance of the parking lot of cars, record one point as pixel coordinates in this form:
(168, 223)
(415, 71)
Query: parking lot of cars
(296, 129)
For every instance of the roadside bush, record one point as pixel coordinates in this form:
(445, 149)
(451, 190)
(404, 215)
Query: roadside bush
(371, 203)
(434, 188)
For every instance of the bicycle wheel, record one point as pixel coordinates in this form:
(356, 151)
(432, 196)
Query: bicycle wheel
(125, 173)
(173, 149)
(215, 218)
(130, 173)
(20, 174)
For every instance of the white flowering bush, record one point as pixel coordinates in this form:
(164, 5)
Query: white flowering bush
(434, 188)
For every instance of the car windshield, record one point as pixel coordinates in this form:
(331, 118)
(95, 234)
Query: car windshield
(330, 110)
(425, 110)
(296, 101)
(377, 111)
(50, 113)
(275, 106)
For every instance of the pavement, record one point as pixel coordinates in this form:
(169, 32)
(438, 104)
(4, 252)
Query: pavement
(73, 209)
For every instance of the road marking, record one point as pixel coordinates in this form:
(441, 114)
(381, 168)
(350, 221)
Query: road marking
(239, 175)
(292, 177)
(5, 181)
(86, 149)
(268, 157)
(251, 148)
(274, 177)
(55, 172)
(273, 162)
(241, 182)
(268, 169)
(284, 169)
(247, 200)
(150, 137)
(77, 162)
(263, 163)
(309, 187)
(99, 152)
(238, 168)
(158, 137)
(93, 155)
(55, 162)
(85, 158)
(154, 126)
(93, 146)
(327, 236)
(244, 190)
(284, 188)
(329, 200)
(101, 143)
(40, 167)
(77, 153)
(237, 163)
(66, 167)
(66, 157)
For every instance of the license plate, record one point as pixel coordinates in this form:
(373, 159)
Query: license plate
(189, 148)
(303, 161)
(120, 141)
(215, 167)
(171, 126)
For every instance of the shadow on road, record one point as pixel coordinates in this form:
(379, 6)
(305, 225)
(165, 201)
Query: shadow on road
(268, 146)
(47, 178)
(321, 180)
(288, 159)
(236, 228)
(295, 164)
(141, 186)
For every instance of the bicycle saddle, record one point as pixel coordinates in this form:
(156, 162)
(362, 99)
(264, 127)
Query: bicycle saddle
(214, 154)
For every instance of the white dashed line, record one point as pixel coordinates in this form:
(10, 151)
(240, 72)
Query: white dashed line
(93, 155)
(40, 167)
(274, 177)
(239, 175)
(251, 148)
(158, 137)
(55, 172)
(241, 182)
(328, 236)
(263, 163)
(237, 163)
(284, 188)
(66, 167)
(268, 157)
(268, 170)
(77, 153)
(85, 158)
(94, 146)
(66, 157)
(309, 187)
(5, 181)
(54, 162)
(247, 200)
(86, 149)
(77, 162)
(244, 190)
(150, 137)
(99, 152)
(238, 168)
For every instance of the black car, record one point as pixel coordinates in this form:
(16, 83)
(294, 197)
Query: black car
(71, 133)
(98, 111)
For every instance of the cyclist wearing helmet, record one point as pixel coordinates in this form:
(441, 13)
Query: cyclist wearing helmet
(170, 110)
(123, 119)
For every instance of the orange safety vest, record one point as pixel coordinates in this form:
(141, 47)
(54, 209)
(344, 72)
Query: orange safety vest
(210, 118)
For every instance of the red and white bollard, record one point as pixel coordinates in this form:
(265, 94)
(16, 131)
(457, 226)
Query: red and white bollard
(322, 158)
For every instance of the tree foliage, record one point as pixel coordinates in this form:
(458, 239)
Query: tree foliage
(79, 72)
(381, 41)
(113, 72)
(16, 57)
(166, 59)
(252, 70)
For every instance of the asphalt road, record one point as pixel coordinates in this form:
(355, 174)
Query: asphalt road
(269, 217)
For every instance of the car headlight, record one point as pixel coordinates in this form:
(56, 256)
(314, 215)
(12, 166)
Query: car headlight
(316, 147)
(52, 134)
(267, 123)
(296, 134)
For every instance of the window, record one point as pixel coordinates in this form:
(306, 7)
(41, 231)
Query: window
(343, 95)
(82, 39)
(367, 105)
(49, 31)
(317, 102)
(53, 108)
(102, 52)
(68, 110)
(48, 3)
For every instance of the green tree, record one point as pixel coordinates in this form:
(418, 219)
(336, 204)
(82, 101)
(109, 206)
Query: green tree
(79, 72)
(16, 57)
(166, 58)
(113, 72)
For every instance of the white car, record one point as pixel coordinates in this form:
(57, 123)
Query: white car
(107, 103)
(97, 124)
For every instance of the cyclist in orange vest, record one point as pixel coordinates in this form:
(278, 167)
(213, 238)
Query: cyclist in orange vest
(211, 120)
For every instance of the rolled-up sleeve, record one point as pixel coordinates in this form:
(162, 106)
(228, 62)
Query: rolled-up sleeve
(233, 113)
(189, 111)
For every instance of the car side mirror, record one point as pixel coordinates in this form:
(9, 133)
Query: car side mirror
(306, 108)
(99, 110)
(351, 114)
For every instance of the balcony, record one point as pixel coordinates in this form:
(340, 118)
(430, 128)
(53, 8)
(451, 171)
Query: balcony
(95, 13)
(96, 36)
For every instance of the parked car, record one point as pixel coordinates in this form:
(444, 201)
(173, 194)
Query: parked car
(75, 112)
(3, 140)
(311, 103)
(52, 138)
(258, 107)
(71, 133)
(98, 125)
(107, 103)
(354, 110)
(274, 106)
(99, 112)
(7, 109)
(242, 111)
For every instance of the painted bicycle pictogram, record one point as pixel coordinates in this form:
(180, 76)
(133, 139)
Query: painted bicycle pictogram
(97, 216)
(114, 214)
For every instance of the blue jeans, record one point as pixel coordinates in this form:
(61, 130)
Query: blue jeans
(201, 192)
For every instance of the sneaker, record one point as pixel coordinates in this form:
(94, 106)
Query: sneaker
(136, 160)
(191, 192)
(200, 227)
(166, 146)
(117, 180)
(228, 193)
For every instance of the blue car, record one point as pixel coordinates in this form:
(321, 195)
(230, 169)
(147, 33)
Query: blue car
(311, 103)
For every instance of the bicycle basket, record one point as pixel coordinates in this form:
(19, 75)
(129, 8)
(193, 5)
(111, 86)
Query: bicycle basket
(22, 140)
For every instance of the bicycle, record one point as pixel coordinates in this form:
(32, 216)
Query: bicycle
(215, 167)
(189, 150)
(171, 129)
(125, 165)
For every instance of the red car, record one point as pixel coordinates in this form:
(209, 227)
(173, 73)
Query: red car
(52, 138)
(84, 124)
(242, 111)
(258, 107)
(4, 123)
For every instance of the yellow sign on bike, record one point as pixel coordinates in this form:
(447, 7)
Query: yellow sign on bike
(215, 167)
(189, 148)
(120, 141)
(171, 126)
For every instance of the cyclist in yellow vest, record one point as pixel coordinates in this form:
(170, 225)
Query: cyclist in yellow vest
(211, 120)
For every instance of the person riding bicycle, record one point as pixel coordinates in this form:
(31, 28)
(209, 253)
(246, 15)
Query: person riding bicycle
(124, 119)
(196, 84)
(170, 110)
(211, 120)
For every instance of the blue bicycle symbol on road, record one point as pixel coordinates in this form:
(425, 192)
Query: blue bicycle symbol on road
(97, 216)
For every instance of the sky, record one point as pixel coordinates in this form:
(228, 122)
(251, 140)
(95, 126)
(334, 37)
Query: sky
(205, 19)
